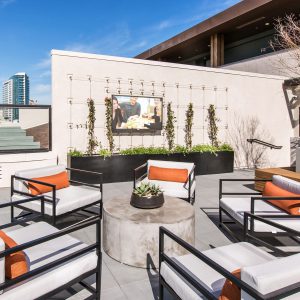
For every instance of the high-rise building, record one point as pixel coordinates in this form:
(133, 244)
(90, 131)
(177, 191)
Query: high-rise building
(8, 98)
(15, 91)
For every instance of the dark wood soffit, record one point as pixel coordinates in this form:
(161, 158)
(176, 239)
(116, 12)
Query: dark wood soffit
(205, 26)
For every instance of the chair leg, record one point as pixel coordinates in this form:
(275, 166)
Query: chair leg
(53, 220)
(161, 290)
(98, 277)
(220, 217)
(12, 216)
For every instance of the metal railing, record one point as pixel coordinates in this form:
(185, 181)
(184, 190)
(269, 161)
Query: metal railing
(260, 142)
(25, 128)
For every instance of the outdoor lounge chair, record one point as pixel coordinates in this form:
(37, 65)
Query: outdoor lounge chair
(77, 196)
(201, 275)
(184, 190)
(269, 220)
(55, 260)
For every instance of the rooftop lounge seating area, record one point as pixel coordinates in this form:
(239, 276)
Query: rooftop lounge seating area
(120, 281)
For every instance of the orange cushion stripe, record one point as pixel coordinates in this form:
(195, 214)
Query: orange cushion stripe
(290, 206)
(230, 291)
(60, 180)
(15, 263)
(168, 174)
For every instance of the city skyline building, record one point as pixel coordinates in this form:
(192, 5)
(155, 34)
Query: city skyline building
(15, 91)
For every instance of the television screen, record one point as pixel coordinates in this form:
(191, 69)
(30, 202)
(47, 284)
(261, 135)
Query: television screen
(135, 113)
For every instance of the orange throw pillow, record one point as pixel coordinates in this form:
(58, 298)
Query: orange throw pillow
(60, 180)
(290, 206)
(15, 263)
(230, 291)
(167, 174)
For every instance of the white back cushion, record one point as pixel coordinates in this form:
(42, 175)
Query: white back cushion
(170, 164)
(287, 184)
(20, 185)
(273, 275)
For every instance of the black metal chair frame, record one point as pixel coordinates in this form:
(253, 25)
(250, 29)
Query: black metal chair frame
(54, 217)
(187, 185)
(250, 232)
(188, 277)
(95, 220)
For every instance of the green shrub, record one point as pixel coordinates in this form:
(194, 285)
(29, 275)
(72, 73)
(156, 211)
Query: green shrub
(76, 153)
(105, 153)
(204, 148)
(144, 150)
(225, 147)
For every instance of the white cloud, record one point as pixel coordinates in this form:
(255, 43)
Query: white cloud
(164, 24)
(44, 63)
(113, 43)
(46, 73)
(41, 88)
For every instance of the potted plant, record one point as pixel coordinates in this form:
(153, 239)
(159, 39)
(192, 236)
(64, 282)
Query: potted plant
(147, 196)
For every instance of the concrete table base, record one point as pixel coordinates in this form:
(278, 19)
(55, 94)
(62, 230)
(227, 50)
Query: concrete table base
(131, 235)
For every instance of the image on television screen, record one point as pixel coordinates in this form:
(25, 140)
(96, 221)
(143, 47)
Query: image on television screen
(136, 113)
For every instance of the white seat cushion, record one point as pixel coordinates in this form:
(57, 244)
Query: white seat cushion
(273, 275)
(173, 189)
(231, 257)
(42, 254)
(67, 199)
(237, 206)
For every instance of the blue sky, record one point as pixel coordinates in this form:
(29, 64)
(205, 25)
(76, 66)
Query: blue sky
(31, 28)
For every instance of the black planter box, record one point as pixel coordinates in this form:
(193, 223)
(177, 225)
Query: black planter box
(118, 168)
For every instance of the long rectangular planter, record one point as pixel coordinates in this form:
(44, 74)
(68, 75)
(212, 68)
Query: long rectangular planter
(118, 168)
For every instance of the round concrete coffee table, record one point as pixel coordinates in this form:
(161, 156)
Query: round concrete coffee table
(131, 235)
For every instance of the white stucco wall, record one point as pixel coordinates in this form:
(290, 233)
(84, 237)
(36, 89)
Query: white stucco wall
(78, 76)
(29, 118)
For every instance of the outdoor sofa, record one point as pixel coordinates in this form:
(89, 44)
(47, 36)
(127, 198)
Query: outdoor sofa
(70, 195)
(268, 219)
(54, 259)
(170, 177)
(212, 274)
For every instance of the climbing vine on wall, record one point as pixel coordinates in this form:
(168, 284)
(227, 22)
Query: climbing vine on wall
(92, 140)
(189, 116)
(169, 128)
(108, 125)
(212, 125)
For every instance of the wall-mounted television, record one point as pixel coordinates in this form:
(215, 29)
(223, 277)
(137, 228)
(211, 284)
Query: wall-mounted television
(133, 114)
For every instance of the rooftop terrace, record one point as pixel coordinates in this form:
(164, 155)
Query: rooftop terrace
(120, 281)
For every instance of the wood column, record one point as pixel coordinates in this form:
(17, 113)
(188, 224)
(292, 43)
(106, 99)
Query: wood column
(216, 50)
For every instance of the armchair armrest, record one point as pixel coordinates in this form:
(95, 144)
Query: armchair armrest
(266, 198)
(97, 245)
(18, 202)
(191, 178)
(135, 174)
(248, 233)
(90, 173)
(221, 193)
(52, 186)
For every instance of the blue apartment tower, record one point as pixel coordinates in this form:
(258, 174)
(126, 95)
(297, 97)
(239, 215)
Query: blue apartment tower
(15, 91)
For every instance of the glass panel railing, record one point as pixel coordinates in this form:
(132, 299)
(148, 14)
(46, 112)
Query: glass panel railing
(25, 128)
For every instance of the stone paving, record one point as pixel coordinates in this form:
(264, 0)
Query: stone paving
(123, 282)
